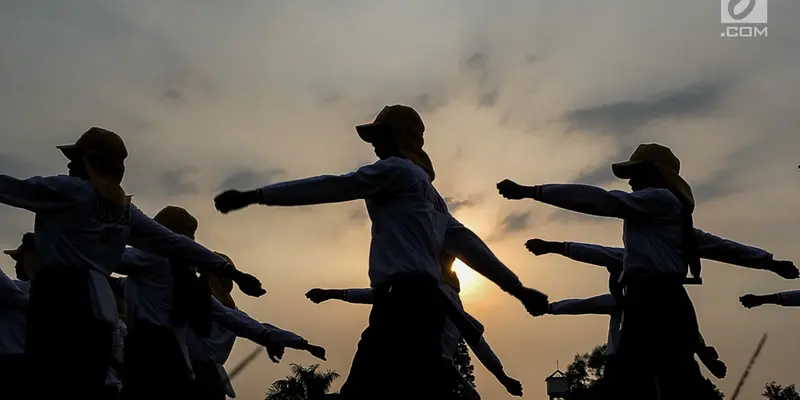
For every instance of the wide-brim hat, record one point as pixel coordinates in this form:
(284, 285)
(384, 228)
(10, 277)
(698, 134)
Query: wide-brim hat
(222, 287)
(665, 162)
(405, 126)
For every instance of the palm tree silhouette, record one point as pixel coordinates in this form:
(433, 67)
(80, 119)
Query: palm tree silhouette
(305, 383)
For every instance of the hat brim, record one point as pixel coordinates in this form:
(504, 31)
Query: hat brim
(623, 170)
(368, 132)
(15, 254)
(70, 151)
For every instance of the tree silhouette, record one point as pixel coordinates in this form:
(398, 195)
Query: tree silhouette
(587, 368)
(774, 391)
(305, 383)
(463, 363)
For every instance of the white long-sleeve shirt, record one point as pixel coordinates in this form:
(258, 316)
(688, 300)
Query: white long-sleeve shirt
(75, 229)
(410, 221)
(709, 246)
(790, 298)
(652, 229)
(450, 335)
(13, 307)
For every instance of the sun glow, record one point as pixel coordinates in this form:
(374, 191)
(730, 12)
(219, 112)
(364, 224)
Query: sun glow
(470, 280)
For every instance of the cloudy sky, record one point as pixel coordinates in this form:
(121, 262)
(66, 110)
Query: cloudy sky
(212, 95)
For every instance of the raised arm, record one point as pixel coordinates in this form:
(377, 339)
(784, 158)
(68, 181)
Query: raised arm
(11, 296)
(38, 194)
(604, 304)
(592, 200)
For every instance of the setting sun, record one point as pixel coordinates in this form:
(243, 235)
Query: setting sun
(470, 282)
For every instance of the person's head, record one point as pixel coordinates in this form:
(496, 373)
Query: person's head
(99, 156)
(24, 257)
(222, 287)
(398, 132)
(178, 220)
(655, 166)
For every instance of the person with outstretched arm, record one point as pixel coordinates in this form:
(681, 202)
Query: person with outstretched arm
(14, 378)
(613, 375)
(709, 247)
(411, 226)
(660, 250)
(165, 299)
(483, 352)
(84, 220)
(209, 354)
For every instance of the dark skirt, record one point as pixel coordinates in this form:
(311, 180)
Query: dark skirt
(155, 367)
(399, 355)
(68, 347)
(207, 384)
(14, 376)
(658, 340)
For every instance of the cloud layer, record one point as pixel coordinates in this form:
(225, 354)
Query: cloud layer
(212, 96)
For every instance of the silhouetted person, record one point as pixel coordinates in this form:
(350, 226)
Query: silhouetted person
(165, 298)
(208, 355)
(14, 376)
(399, 352)
(450, 334)
(660, 332)
(83, 222)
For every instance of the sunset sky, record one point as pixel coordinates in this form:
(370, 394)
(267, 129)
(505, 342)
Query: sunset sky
(211, 95)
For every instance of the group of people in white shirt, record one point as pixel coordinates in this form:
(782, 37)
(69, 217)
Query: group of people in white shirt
(175, 310)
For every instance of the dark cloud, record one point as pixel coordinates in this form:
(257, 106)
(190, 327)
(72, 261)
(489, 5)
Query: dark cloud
(427, 103)
(516, 222)
(488, 99)
(454, 204)
(478, 61)
(624, 117)
(532, 59)
(248, 179)
(173, 95)
(178, 181)
(330, 99)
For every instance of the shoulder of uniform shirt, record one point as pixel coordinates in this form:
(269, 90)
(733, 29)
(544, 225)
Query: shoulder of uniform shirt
(662, 193)
(62, 181)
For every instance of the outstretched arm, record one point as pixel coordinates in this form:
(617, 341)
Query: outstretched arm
(150, 236)
(593, 200)
(38, 194)
(786, 299)
(294, 341)
(355, 296)
(604, 304)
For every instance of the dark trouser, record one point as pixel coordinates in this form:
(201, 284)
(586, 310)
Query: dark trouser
(13, 376)
(69, 348)
(154, 365)
(658, 339)
(399, 355)
(207, 383)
